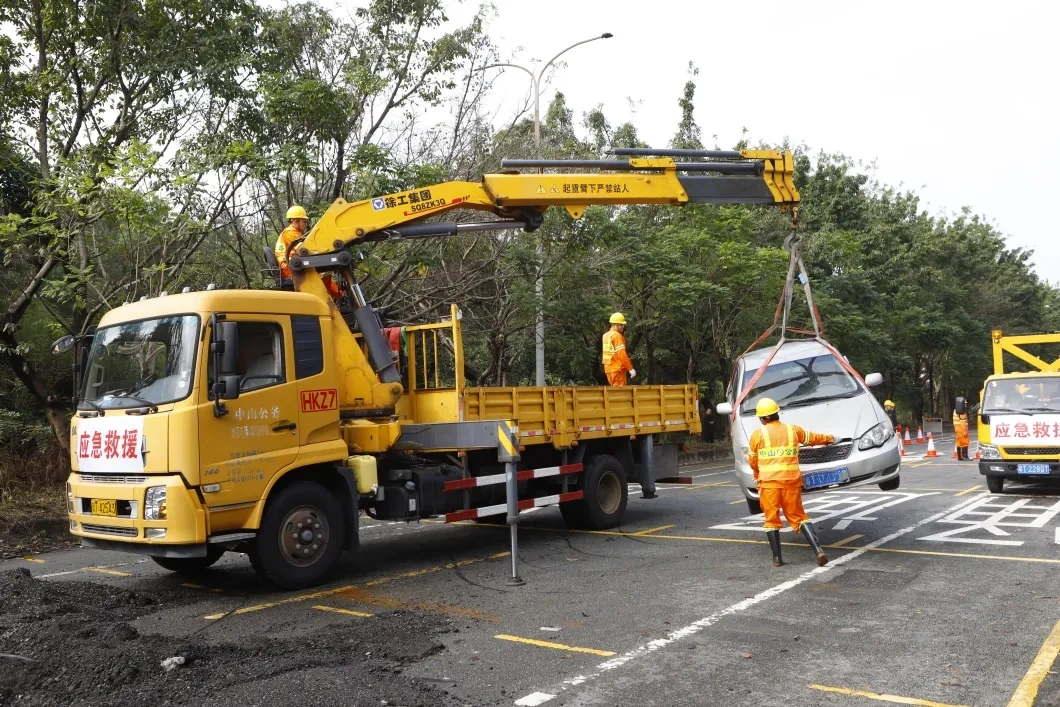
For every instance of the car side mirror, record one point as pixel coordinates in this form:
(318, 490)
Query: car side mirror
(873, 379)
(62, 345)
(723, 409)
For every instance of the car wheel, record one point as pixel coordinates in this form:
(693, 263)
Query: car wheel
(606, 495)
(754, 505)
(892, 484)
(996, 484)
(190, 565)
(299, 543)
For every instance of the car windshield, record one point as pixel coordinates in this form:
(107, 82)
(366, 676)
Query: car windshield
(149, 362)
(802, 382)
(1022, 395)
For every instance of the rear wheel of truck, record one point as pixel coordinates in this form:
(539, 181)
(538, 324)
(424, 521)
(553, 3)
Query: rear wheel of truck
(891, 485)
(299, 543)
(754, 505)
(606, 495)
(190, 565)
(996, 484)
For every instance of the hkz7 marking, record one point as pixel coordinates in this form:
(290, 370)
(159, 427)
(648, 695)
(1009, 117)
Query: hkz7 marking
(319, 400)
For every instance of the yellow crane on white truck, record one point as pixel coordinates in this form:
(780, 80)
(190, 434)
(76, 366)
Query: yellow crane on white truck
(258, 422)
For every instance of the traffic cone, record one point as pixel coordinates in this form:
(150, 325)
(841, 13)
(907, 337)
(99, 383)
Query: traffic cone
(931, 447)
(954, 454)
(919, 435)
(901, 447)
(977, 455)
(907, 440)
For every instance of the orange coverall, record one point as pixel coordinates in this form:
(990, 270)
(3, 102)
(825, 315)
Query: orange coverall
(616, 360)
(774, 458)
(960, 428)
(288, 236)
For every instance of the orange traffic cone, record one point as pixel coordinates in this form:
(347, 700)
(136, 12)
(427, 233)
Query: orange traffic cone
(954, 454)
(919, 435)
(977, 455)
(931, 447)
(907, 440)
(901, 447)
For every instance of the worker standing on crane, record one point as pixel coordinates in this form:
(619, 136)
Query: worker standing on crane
(774, 458)
(616, 360)
(297, 223)
(960, 428)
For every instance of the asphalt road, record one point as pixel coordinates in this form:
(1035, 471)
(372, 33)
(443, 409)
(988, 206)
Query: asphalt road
(937, 594)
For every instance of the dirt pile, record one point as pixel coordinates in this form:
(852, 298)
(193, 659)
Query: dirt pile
(72, 643)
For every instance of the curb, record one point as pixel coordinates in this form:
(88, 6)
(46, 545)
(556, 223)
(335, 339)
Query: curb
(709, 455)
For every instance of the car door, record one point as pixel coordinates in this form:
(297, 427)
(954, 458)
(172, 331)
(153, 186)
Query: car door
(242, 450)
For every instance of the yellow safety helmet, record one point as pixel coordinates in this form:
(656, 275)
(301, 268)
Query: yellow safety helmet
(766, 407)
(617, 318)
(888, 404)
(296, 212)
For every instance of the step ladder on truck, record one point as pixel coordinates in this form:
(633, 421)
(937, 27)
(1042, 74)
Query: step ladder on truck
(262, 422)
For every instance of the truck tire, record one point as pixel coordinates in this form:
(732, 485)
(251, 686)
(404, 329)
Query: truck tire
(891, 485)
(190, 565)
(606, 495)
(299, 543)
(996, 484)
(754, 505)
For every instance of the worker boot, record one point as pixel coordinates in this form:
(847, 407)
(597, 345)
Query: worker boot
(774, 545)
(815, 544)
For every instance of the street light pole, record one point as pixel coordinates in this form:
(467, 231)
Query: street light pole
(539, 283)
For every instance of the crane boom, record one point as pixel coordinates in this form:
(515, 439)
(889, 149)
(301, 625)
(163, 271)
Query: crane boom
(370, 386)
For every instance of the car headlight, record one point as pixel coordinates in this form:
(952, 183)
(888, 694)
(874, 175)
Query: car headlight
(876, 436)
(155, 503)
(989, 451)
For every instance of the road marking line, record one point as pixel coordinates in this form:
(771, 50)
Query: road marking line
(733, 503)
(27, 558)
(533, 700)
(558, 646)
(851, 539)
(191, 586)
(697, 626)
(104, 570)
(336, 610)
(1056, 536)
(360, 596)
(1028, 687)
(89, 569)
(1013, 558)
(969, 490)
(665, 527)
(882, 698)
(914, 466)
(713, 473)
(349, 587)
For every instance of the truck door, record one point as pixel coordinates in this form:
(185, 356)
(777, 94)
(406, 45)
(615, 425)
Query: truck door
(242, 450)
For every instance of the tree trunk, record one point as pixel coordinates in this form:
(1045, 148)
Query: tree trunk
(29, 377)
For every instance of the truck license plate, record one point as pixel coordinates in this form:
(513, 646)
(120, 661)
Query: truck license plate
(1032, 468)
(817, 479)
(104, 508)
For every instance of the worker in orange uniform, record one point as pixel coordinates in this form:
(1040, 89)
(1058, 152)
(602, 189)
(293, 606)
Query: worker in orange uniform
(298, 221)
(616, 360)
(960, 428)
(774, 458)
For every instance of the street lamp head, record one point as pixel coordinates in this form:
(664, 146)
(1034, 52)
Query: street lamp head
(606, 35)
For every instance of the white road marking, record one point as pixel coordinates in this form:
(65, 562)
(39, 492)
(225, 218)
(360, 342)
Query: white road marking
(847, 506)
(89, 569)
(999, 513)
(1056, 537)
(538, 698)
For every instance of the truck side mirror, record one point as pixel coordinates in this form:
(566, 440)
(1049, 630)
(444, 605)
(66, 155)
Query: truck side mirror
(873, 379)
(63, 345)
(224, 347)
(723, 409)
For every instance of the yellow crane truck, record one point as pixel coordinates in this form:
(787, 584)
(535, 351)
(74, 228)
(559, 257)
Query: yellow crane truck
(1019, 414)
(263, 422)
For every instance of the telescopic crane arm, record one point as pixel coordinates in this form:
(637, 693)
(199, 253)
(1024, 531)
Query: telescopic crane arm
(370, 388)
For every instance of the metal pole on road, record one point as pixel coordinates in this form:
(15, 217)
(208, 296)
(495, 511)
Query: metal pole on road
(539, 282)
(511, 493)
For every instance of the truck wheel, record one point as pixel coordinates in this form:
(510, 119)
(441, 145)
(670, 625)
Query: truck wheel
(754, 505)
(190, 565)
(891, 485)
(299, 543)
(996, 484)
(606, 495)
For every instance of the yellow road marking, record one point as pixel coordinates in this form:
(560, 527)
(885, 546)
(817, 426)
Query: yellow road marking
(558, 646)
(360, 596)
(336, 610)
(349, 587)
(913, 466)
(882, 698)
(851, 539)
(27, 558)
(104, 570)
(653, 530)
(191, 586)
(969, 490)
(1028, 687)
(963, 554)
(733, 503)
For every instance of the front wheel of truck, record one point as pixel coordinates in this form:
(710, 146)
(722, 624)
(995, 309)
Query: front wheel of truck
(996, 484)
(299, 543)
(190, 565)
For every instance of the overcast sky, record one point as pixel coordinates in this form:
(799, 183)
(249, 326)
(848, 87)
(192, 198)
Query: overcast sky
(949, 98)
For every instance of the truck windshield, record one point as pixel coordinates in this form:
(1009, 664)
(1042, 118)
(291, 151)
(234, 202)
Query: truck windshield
(1025, 394)
(803, 382)
(149, 362)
